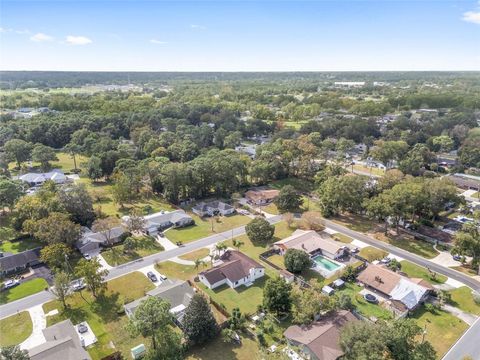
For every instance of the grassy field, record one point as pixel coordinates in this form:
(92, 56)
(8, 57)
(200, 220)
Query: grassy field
(298, 184)
(371, 253)
(342, 238)
(15, 329)
(466, 270)
(367, 169)
(415, 271)
(462, 298)
(145, 246)
(16, 247)
(442, 328)
(197, 254)
(362, 306)
(24, 289)
(177, 271)
(103, 315)
(355, 222)
(203, 227)
(419, 247)
(64, 162)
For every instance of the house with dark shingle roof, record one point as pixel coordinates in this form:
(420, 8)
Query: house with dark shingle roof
(213, 208)
(320, 340)
(10, 264)
(90, 241)
(234, 269)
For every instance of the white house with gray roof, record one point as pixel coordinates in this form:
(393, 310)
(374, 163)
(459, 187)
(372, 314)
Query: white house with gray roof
(163, 220)
(213, 208)
(35, 179)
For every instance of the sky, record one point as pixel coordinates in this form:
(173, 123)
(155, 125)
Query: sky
(266, 35)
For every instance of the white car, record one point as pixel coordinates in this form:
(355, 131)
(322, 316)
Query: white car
(10, 283)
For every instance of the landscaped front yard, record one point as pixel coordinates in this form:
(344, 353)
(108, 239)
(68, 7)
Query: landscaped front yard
(203, 227)
(104, 314)
(15, 329)
(178, 271)
(197, 254)
(145, 246)
(371, 253)
(462, 298)
(442, 329)
(419, 247)
(415, 271)
(26, 288)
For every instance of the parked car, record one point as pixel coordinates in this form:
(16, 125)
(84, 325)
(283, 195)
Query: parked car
(82, 328)
(457, 257)
(152, 276)
(163, 277)
(78, 285)
(10, 283)
(87, 256)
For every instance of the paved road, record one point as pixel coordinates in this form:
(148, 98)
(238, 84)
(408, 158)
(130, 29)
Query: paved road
(467, 280)
(44, 296)
(467, 345)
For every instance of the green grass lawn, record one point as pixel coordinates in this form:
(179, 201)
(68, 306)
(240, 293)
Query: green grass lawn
(372, 253)
(269, 209)
(8, 233)
(419, 247)
(307, 274)
(103, 315)
(16, 247)
(443, 329)
(362, 306)
(24, 289)
(15, 329)
(197, 254)
(64, 162)
(466, 270)
(145, 246)
(355, 222)
(367, 169)
(299, 184)
(178, 271)
(342, 238)
(203, 227)
(462, 298)
(415, 271)
(245, 298)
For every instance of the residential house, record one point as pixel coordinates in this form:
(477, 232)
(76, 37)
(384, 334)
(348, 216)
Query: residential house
(36, 179)
(90, 242)
(163, 220)
(234, 269)
(178, 293)
(320, 340)
(62, 342)
(14, 263)
(312, 243)
(250, 150)
(261, 197)
(213, 208)
(402, 294)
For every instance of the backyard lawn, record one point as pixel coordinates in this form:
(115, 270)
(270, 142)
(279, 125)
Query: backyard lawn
(361, 305)
(307, 274)
(145, 246)
(104, 314)
(415, 271)
(64, 162)
(462, 298)
(15, 329)
(15, 247)
(197, 254)
(372, 253)
(442, 328)
(24, 289)
(203, 227)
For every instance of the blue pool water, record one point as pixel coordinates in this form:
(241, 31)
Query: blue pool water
(325, 263)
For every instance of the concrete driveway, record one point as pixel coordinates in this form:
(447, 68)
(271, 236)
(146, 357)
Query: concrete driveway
(39, 322)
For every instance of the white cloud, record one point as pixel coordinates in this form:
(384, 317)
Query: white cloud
(198, 27)
(22, 32)
(158, 42)
(3, 30)
(78, 40)
(41, 37)
(472, 16)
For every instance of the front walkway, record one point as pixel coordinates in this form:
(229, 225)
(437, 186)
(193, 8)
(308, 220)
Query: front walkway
(39, 322)
(103, 262)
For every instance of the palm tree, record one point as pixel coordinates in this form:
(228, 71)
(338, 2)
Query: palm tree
(237, 244)
(220, 247)
(212, 257)
(198, 263)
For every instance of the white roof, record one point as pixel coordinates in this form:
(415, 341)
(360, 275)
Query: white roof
(55, 175)
(408, 293)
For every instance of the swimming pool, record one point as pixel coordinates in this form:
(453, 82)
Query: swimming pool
(325, 263)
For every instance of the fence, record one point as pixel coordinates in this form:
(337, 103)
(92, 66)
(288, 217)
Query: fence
(221, 309)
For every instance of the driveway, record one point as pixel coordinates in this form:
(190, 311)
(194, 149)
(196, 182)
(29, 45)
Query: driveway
(39, 322)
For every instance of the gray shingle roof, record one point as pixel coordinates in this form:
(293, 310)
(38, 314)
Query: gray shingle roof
(14, 261)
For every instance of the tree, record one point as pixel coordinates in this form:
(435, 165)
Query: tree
(237, 244)
(308, 303)
(417, 158)
(150, 318)
(43, 154)
(61, 287)
(73, 150)
(276, 296)
(10, 192)
(136, 222)
(387, 151)
(198, 263)
(18, 150)
(169, 346)
(105, 227)
(13, 353)
(93, 274)
(312, 220)
(76, 200)
(345, 302)
(55, 228)
(54, 255)
(259, 230)
(288, 199)
(94, 169)
(394, 265)
(129, 244)
(122, 191)
(297, 260)
(237, 320)
(444, 143)
(199, 325)
(467, 242)
(396, 340)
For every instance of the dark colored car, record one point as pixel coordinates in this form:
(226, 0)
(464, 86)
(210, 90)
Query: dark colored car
(82, 328)
(152, 276)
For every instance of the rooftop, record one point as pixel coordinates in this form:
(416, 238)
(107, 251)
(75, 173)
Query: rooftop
(309, 241)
